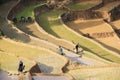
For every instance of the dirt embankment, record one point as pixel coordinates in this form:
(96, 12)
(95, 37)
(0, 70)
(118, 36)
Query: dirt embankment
(104, 9)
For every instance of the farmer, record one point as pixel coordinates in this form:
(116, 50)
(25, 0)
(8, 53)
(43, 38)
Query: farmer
(76, 48)
(60, 50)
(21, 66)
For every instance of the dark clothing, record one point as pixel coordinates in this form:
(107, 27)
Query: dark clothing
(60, 51)
(20, 68)
(76, 47)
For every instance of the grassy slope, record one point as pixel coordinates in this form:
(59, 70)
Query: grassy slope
(29, 54)
(10, 63)
(80, 7)
(27, 11)
(111, 73)
(51, 23)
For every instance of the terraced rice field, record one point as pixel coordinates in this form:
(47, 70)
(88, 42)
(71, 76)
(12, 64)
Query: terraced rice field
(110, 41)
(35, 30)
(50, 22)
(49, 62)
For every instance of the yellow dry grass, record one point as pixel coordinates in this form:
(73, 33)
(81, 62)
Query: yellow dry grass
(117, 24)
(109, 73)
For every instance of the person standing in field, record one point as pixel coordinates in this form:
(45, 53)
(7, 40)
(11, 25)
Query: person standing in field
(76, 48)
(21, 66)
(60, 50)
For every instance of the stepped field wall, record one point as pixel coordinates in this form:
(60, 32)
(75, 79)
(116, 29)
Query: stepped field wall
(35, 69)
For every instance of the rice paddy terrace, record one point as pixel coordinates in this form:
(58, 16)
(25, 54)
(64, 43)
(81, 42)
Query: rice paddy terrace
(37, 43)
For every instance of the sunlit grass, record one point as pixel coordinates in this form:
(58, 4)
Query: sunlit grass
(20, 50)
(50, 22)
(80, 6)
(111, 73)
(10, 63)
(92, 56)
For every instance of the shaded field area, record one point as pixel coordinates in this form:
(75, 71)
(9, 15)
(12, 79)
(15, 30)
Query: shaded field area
(28, 10)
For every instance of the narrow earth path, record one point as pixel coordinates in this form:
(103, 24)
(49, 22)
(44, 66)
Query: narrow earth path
(4, 76)
(82, 60)
(50, 77)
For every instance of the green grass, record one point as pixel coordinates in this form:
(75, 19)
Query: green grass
(112, 73)
(11, 53)
(22, 51)
(80, 6)
(28, 10)
(50, 22)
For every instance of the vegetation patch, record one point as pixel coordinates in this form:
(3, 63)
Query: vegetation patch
(80, 6)
(28, 10)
